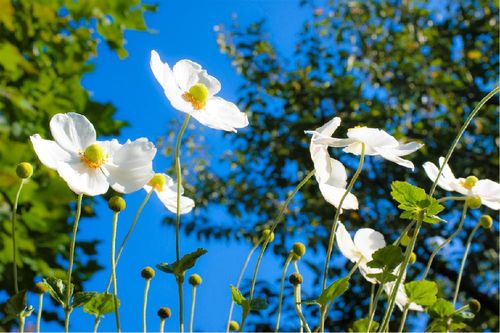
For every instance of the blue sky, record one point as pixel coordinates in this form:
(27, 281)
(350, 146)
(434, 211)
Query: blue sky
(184, 29)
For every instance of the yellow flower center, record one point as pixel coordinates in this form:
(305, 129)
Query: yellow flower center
(197, 96)
(157, 182)
(93, 156)
(469, 182)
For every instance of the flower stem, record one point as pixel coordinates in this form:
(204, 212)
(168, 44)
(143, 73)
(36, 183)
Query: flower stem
(14, 246)
(446, 242)
(266, 242)
(403, 319)
(193, 301)
(67, 306)
(240, 277)
(39, 312)
(405, 231)
(113, 271)
(373, 307)
(96, 323)
(454, 198)
(372, 297)
(21, 324)
(296, 266)
(129, 232)
(296, 294)
(162, 325)
(462, 265)
(282, 287)
(178, 217)
(144, 305)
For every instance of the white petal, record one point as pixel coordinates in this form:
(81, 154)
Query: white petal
(401, 297)
(49, 152)
(72, 131)
(432, 171)
(212, 84)
(365, 271)
(390, 155)
(332, 142)
(372, 137)
(407, 148)
(221, 114)
(186, 74)
(82, 179)
(368, 241)
(330, 127)
(345, 244)
(333, 195)
(170, 202)
(447, 173)
(489, 192)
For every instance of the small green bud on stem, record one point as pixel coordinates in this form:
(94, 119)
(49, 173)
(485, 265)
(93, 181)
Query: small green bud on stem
(473, 202)
(116, 204)
(413, 258)
(295, 279)
(405, 240)
(298, 249)
(41, 288)
(234, 326)
(164, 313)
(148, 273)
(486, 221)
(474, 305)
(267, 234)
(195, 280)
(24, 170)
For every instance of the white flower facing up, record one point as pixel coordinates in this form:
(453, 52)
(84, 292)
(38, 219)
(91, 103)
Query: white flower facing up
(190, 89)
(329, 172)
(377, 143)
(487, 190)
(166, 190)
(89, 166)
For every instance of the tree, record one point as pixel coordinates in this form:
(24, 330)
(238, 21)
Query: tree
(45, 49)
(413, 68)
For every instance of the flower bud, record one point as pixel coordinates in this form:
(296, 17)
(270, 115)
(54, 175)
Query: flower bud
(473, 202)
(413, 258)
(148, 273)
(41, 288)
(299, 249)
(295, 279)
(267, 234)
(117, 204)
(234, 326)
(24, 170)
(470, 182)
(486, 221)
(164, 313)
(474, 305)
(405, 240)
(195, 280)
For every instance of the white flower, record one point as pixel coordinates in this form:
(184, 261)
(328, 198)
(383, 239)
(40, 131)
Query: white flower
(366, 242)
(89, 166)
(401, 296)
(166, 190)
(487, 190)
(190, 89)
(376, 141)
(329, 172)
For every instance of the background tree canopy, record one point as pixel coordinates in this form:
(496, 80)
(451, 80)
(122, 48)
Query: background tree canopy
(413, 68)
(45, 48)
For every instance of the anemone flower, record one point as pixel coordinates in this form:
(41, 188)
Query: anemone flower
(487, 190)
(401, 297)
(329, 172)
(190, 89)
(377, 143)
(166, 190)
(89, 166)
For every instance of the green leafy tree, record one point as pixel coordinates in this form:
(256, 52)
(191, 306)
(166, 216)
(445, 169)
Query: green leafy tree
(45, 49)
(413, 68)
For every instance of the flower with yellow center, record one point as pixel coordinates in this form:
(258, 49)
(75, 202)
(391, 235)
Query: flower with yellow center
(166, 190)
(89, 166)
(190, 89)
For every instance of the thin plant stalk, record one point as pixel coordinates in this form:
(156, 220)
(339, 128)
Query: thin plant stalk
(96, 323)
(21, 324)
(162, 325)
(14, 246)
(191, 316)
(282, 287)
(296, 266)
(462, 264)
(373, 306)
(405, 231)
(372, 297)
(454, 198)
(403, 319)
(67, 306)
(144, 305)
(113, 271)
(296, 294)
(39, 312)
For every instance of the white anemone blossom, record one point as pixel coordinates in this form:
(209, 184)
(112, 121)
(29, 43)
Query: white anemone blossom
(190, 89)
(377, 143)
(487, 190)
(166, 190)
(89, 166)
(329, 172)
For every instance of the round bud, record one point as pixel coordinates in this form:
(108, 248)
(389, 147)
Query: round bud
(116, 204)
(234, 326)
(41, 288)
(474, 305)
(298, 249)
(470, 182)
(486, 221)
(405, 240)
(295, 279)
(413, 258)
(195, 280)
(164, 313)
(158, 181)
(24, 170)
(473, 202)
(148, 273)
(267, 234)
(199, 92)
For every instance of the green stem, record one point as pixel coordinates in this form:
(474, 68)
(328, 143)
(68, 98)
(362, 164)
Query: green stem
(67, 306)
(240, 277)
(375, 303)
(129, 232)
(162, 325)
(282, 287)
(454, 198)
(39, 312)
(462, 265)
(97, 321)
(21, 324)
(113, 271)
(144, 306)
(193, 301)
(14, 246)
(372, 296)
(446, 242)
(296, 266)
(178, 216)
(405, 231)
(403, 319)
(296, 294)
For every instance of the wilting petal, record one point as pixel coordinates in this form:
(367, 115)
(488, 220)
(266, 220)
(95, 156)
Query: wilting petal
(368, 241)
(391, 155)
(346, 245)
(49, 152)
(82, 179)
(221, 114)
(72, 131)
(333, 195)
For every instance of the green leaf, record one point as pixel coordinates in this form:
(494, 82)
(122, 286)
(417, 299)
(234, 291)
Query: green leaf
(441, 309)
(422, 292)
(385, 276)
(81, 298)
(387, 258)
(333, 291)
(240, 300)
(258, 304)
(57, 289)
(17, 306)
(182, 265)
(361, 325)
(100, 304)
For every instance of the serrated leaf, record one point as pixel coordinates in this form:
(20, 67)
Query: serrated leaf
(100, 304)
(441, 309)
(82, 297)
(16, 304)
(183, 264)
(333, 291)
(387, 258)
(57, 289)
(258, 304)
(422, 292)
(361, 325)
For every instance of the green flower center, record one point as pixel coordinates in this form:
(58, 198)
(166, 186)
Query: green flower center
(197, 96)
(469, 182)
(157, 182)
(93, 156)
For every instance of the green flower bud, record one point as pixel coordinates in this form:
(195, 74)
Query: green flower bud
(474, 305)
(234, 326)
(473, 202)
(24, 170)
(148, 273)
(486, 221)
(413, 258)
(116, 204)
(295, 279)
(93, 156)
(405, 240)
(41, 288)
(298, 249)
(164, 313)
(195, 280)
(469, 182)
(267, 234)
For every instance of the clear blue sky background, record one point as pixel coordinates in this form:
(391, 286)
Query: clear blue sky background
(184, 30)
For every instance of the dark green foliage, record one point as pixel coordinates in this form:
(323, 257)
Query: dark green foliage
(178, 268)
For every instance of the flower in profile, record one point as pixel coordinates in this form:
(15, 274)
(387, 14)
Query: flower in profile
(190, 89)
(366, 242)
(166, 190)
(329, 172)
(487, 190)
(89, 166)
(377, 143)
